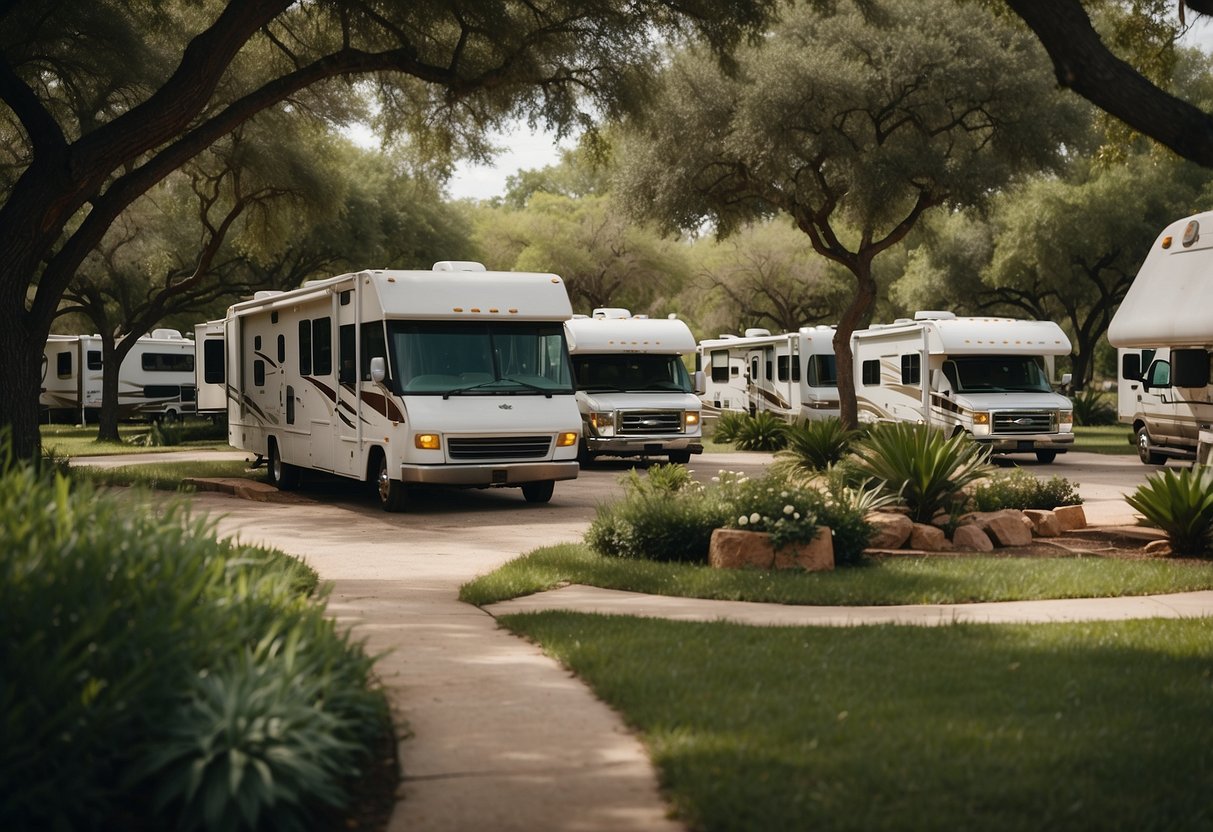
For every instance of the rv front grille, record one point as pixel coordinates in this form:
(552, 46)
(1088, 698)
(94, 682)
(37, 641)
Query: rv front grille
(650, 421)
(499, 447)
(1025, 421)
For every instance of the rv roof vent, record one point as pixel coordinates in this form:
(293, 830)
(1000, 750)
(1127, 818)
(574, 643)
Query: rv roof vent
(902, 321)
(267, 293)
(171, 334)
(458, 266)
(934, 315)
(727, 336)
(756, 332)
(612, 312)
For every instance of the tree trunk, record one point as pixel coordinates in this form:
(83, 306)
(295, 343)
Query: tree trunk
(111, 366)
(855, 316)
(21, 381)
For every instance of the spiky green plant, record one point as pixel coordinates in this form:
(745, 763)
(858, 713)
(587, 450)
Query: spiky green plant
(763, 431)
(1180, 502)
(726, 427)
(1092, 407)
(815, 445)
(926, 468)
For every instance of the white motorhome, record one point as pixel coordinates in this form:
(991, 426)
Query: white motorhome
(155, 381)
(635, 395)
(987, 377)
(454, 376)
(792, 374)
(1164, 329)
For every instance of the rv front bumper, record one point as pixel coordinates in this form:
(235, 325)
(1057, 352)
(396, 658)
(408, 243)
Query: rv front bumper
(633, 444)
(484, 475)
(1034, 442)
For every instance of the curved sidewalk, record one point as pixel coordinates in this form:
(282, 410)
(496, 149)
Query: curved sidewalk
(588, 599)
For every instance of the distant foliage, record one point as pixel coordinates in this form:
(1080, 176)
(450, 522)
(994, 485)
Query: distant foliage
(764, 431)
(1019, 489)
(1180, 502)
(815, 445)
(1092, 407)
(785, 512)
(728, 423)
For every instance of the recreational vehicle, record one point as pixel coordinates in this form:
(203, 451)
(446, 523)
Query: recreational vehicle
(987, 377)
(791, 375)
(155, 381)
(1164, 330)
(454, 376)
(634, 393)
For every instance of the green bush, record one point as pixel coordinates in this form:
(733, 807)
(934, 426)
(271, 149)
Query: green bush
(728, 423)
(656, 525)
(772, 505)
(815, 445)
(764, 431)
(925, 468)
(845, 508)
(1091, 407)
(1020, 489)
(1180, 502)
(152, 676)
(158, 435)
(659, 478)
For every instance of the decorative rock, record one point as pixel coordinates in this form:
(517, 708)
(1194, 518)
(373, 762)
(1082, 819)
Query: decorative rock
(928, 538)
(889, 530)
(1044, 522)
(971, 537)
(1158, 548)
(1008, 527)
(1071, 517)
(737, 549)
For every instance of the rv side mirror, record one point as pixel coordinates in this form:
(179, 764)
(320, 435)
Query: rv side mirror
(1130, 366)
(940, 383)
(378, 370)
(1066, 378)
(701, 383)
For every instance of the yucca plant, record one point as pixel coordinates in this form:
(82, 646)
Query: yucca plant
(1180, 502)
(763, 431)
(1091, 407)
(726, 427)
(926, 468)
(815, 445)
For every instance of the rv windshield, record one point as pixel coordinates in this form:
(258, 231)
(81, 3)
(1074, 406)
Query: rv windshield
(481, 358)
(631, 373)
(997, 374)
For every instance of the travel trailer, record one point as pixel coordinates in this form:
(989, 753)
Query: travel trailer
(987, 377)
(791, 375)
(455, 376)
(155, 381)
(634, 393)
(1164, 330)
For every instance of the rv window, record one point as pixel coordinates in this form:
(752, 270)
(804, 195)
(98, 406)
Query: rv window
(770, 353)
(734, 371)
(162, 391)
(167, 362)
(281, 348)
(345, 353)
(94, 359)
(997, 374)
(754, 368)
(782, 365)
(1160, 374)
(1130, 366)
(720, 365)
(274, 317)
(822, 371)
(1191, 367)
(632, 373)
(871, 372)
(345, 297)
(373, 346)
(322, 346)
(305, 348)
(257, 343)
(189, 393)
(259, 373)
(911, 369)
(212, 361)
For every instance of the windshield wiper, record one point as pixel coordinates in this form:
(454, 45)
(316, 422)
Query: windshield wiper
(459, 390)
(547, 393)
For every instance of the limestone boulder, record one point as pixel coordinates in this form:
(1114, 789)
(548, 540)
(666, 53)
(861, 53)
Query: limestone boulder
(890, 530)
(1008, 527)
(1044, 522)
(1071, 517)
(927, 538)
(737, 549)
(971, 538)
(1158, 548)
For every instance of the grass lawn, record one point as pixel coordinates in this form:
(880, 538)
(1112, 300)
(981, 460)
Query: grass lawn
(1104, 439)
(1054, 726)
(166, 476)
(908, 580)
(73, 440)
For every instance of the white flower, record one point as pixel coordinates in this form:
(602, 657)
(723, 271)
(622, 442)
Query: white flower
(755, 517)
(783, 493)
(715, 479)
(796, 516)
(742, 520)
(789, 510)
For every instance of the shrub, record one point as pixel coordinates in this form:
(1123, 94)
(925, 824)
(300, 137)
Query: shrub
(815, 445)
(845, 508)
(1019, 489)
(764, 431)
(1091, 407)
(158, 435)
(1180, 502)
(727, 425)
(925, 468)
(663, 479)
(656, 525)
(114, 621)
(772, 505)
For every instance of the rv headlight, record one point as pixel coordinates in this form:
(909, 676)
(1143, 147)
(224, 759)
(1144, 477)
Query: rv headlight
(1065, 420)
(691, 418)
(566, 439)
(603, 422)
(981, 423)
(428, 441)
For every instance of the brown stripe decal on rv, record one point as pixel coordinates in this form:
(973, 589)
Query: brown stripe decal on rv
(383, 405)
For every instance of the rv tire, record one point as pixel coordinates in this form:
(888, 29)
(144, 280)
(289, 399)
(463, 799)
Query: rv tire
(680, 457)
(1046, 456)
(392, 495)
(282, 474)
(1145, 449)
(538, 492)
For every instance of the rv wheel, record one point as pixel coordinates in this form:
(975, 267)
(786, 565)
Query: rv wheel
(1046, 456)
(680, 457)
(282, 474)
(391, 492)
(1145, 449)
(538, 492)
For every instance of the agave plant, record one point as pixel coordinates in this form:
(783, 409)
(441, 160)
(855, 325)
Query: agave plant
(1181, 504)
(1091, 407)
(761, 432)
(815, 445)
(727, 425)
(926, 468)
